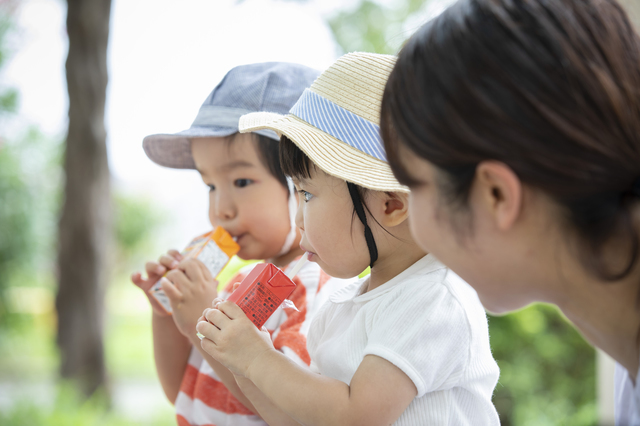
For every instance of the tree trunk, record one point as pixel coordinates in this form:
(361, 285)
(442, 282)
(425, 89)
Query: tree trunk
(633, 9)
(84, 230)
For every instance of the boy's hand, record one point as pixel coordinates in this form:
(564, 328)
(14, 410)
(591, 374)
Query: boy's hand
(155, 271)
(190, 289)
(231, 338)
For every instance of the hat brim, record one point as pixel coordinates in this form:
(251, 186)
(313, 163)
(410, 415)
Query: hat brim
(333, 156)
(174, 150)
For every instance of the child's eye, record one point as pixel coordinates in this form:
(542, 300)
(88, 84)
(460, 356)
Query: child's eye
(241, 183)
(211, 188)
(306, 196)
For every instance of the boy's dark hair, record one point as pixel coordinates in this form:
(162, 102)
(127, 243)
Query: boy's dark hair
(549, 88)
(268, 152)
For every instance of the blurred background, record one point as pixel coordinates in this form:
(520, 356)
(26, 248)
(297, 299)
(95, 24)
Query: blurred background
(75, 334)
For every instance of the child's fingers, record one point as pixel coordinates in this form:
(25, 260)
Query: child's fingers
(154, 269)
(208, 330)
(216, 301)
(168, 262)
(175, 254)
(195, 270)
(179, 279)
(171, 291)
(235, 285)
(216, 318)
(136, 278)
(231, 310)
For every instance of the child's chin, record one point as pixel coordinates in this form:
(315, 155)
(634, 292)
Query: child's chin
(249, 253)
(334, 272)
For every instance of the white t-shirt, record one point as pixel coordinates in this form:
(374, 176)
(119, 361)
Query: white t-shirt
(427, 322)
(627, 398)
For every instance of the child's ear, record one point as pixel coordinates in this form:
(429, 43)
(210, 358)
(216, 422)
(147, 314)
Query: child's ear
(395, 208)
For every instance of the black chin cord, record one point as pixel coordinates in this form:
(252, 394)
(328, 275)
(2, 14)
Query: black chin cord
(368, 235)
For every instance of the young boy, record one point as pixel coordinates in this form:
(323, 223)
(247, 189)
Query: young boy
(251, 198)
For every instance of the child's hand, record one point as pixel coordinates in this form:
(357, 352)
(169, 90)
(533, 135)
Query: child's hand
(155, 271)
(190, 289)
(231, 338)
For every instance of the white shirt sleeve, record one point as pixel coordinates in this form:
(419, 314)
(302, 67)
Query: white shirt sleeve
(425, 333)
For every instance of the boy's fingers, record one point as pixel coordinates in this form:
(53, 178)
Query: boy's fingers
(171, 291)
(193, 268)
(179, 279)
(175, 254)
(154, 269)
(168, 262)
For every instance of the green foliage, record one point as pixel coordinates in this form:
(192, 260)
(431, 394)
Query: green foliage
(29, 196)
(70, 409)
(135, 222)
(373, 27)
(16, 224)
(547, 370)
(8, 96)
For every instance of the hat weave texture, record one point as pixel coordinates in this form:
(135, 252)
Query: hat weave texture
(336, 121)
(269, 86)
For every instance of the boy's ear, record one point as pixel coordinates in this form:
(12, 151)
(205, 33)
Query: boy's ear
(394, 208)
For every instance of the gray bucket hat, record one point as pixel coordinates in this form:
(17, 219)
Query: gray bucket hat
(270, 86)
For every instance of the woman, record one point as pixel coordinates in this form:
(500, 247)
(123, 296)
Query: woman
(516, 124)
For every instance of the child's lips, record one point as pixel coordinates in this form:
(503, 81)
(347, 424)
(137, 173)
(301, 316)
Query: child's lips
(236, 236)
(305, 249)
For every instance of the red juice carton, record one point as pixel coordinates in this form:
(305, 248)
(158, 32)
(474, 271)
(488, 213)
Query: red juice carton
(214, 249)
(262, 292)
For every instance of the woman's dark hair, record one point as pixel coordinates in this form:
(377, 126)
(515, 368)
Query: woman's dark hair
(550, 88)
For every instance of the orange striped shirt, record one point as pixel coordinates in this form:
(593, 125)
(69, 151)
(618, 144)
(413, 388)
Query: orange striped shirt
(203, 399)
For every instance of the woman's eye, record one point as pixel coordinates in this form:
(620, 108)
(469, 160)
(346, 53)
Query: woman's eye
(211, 188)
(241, 183)
(306, 195)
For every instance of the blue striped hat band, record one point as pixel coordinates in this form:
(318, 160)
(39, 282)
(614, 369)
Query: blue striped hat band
(340, 123)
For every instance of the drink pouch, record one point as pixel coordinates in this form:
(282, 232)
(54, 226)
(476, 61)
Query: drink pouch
(214, 249)
(262, 292)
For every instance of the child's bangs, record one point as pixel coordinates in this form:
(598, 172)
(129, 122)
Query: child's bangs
(294, 162)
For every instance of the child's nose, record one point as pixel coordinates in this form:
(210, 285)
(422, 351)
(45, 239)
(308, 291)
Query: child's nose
(224, 208)
(300, 218)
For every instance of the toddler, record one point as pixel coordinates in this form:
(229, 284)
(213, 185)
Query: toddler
(407, 345)
(250, 197)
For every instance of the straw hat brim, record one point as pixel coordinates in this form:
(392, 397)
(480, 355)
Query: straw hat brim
(333, 156)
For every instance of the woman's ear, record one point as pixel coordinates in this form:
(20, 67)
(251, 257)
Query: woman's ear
(500, 192)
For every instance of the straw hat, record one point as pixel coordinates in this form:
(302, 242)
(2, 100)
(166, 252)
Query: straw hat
(336, 122)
